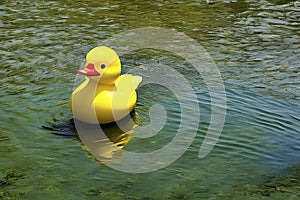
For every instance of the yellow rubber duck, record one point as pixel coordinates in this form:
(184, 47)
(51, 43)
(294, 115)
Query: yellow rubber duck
(104, 96)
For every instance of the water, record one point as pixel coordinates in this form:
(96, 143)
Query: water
(255, 46)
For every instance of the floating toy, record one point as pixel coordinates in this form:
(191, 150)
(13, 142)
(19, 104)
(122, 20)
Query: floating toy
(105, 96)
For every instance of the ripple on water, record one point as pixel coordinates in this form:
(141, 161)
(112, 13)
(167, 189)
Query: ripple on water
(267, 132)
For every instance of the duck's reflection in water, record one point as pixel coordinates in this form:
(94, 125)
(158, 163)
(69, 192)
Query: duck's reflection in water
(106, 142)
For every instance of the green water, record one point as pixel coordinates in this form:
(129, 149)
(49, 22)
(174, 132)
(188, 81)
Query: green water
(255, 45)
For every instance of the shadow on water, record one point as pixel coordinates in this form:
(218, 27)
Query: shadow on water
(66, 129)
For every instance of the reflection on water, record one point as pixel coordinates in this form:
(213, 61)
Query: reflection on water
(105, 142)
(255, 45)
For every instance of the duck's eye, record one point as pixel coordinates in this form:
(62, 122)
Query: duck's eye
(103, 66)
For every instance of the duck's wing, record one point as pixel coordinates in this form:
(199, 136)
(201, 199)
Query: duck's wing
(127, 83)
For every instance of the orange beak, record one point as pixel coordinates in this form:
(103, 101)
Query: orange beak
(89, 70)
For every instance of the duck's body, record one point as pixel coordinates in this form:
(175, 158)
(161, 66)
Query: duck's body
(104, 96)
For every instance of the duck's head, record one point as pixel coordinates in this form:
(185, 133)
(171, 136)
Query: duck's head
(102, 64)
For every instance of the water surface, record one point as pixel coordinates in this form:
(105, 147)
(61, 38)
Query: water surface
(254, 44)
